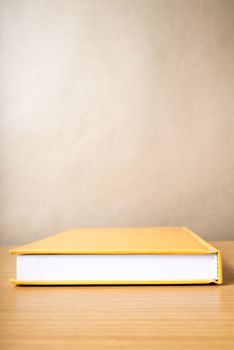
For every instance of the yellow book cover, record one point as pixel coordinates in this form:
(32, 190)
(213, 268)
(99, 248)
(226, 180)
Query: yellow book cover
(137, 255)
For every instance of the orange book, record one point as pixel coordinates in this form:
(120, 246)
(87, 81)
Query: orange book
(144, 255)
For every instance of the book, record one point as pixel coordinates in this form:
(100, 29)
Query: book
(137, 255)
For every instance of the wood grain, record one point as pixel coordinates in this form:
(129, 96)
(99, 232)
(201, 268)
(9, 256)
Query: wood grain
(116, 317)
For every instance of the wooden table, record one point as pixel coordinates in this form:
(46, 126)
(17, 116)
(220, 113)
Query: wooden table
(117, 317)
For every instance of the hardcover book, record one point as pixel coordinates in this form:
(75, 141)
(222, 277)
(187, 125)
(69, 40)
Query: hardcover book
(138, 255)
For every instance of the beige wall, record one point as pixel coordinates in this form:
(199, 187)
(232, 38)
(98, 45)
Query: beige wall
(116, 113)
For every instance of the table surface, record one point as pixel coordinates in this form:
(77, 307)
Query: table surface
(116, 317)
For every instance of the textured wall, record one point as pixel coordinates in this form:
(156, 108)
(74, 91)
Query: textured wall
(116, 113)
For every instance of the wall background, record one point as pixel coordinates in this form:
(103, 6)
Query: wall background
(116, 113)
